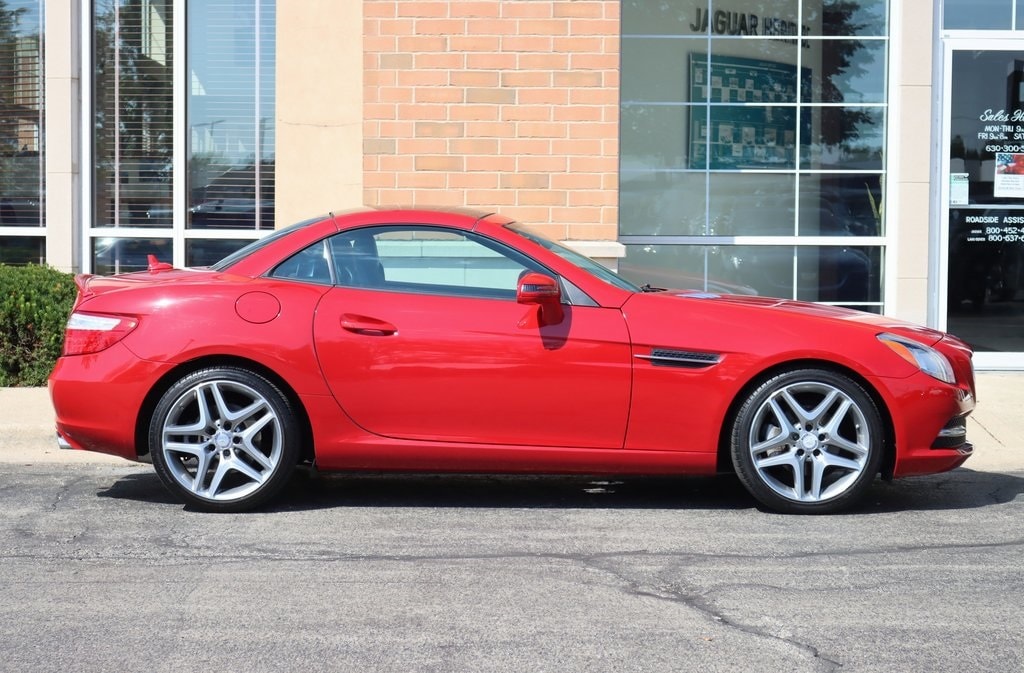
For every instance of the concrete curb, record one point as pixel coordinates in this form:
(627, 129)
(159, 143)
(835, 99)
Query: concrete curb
(27, 432)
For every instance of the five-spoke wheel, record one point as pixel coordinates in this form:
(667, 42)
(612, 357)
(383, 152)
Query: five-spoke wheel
(806, 441)
(224, 439)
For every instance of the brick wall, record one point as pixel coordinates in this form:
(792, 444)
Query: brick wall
(509, 105)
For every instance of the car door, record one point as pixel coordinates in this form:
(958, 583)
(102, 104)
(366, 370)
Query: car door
(422, 338)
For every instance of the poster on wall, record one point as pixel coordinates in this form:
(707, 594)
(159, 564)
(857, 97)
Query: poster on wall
(1009, 177)
(753, 131)
(959, 189)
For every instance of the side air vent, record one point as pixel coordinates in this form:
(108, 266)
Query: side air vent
(663, 357)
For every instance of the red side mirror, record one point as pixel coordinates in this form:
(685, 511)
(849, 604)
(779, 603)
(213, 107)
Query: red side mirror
(537, 288)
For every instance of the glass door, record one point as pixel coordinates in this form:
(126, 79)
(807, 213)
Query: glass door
(981, 282)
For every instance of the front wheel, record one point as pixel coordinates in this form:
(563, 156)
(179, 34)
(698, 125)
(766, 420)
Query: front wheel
(807, 441)
(224, 439)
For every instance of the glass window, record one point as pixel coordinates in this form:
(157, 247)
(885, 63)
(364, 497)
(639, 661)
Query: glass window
(663, 202)
(654, 136)
(133, 95)
(841, 204)
(839, 18)
(752, 204)
(426, 259)
(842, 275)
(843, 138)
(852, 71)
(762, 122)
(21, 115)
(311, 265)
(977, 14)
(23, 250)
(227, 134)
(209, 251)
(123, 255)
(231, 114)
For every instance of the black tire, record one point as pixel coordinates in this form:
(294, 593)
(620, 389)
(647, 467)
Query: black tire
(224, 439)
(807, 441)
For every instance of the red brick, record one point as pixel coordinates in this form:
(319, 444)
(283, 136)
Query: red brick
(541, 130)
(413, 78)
(577, 79)
(473, 180)
(439, 163)
(422, 43)
(440, 27)
(474, 43)
(421, 8)
(490, 129)
(476, 78)
(515, 146)
(525, 78)
(490, 197)
(475, 9)
(543, 61)
(421, 180)
(576, 8)
(579, 113)
(523, 112)
(421, 145)
(549, 27)
(423, 112)
(499, 163)
(526, 9)
(440, 129)
(439, 94)
(542, 197)
(526, 44)
(442, 60)
(477, 146)
(544, 96)
(495, 61)
(526, 180)
(474, 112)
(543, 164)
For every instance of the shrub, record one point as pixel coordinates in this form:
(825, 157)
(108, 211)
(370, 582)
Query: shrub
(35, 302)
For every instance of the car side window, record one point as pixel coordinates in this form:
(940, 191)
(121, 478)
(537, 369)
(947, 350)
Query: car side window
(310, 264)
(434, 260)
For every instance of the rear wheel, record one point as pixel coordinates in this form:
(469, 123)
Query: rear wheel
(224, 439)
(807, 441)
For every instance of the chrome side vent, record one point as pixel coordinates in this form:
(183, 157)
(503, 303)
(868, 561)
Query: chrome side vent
(663, 357)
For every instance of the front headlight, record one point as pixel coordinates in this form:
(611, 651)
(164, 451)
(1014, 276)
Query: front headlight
(927, 359)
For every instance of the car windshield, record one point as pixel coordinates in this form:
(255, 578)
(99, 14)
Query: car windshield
(244, 252)
(581, 261)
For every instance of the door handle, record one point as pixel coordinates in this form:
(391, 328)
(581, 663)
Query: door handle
(361, 324)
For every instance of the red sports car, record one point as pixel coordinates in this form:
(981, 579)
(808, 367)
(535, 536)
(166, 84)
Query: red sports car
(414, 340)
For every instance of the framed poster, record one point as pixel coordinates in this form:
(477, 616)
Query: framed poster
(752, 119)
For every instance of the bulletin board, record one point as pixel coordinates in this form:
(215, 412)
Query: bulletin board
(749, 124)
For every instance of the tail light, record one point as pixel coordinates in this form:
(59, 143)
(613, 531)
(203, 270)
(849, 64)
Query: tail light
(92, 332)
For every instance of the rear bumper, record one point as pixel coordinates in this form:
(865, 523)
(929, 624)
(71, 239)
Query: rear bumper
(97, 399)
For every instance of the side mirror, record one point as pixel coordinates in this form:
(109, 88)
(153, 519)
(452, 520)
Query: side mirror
(537, 288)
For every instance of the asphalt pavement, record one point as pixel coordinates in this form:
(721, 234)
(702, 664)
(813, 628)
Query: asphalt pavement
(27, 432)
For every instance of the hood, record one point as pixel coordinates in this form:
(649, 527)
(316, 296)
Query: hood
(924, 335)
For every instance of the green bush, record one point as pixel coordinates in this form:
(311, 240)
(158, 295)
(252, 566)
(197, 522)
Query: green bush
(35, 302)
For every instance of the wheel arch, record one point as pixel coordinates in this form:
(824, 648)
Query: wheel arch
(307, 450)
(724, 460)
